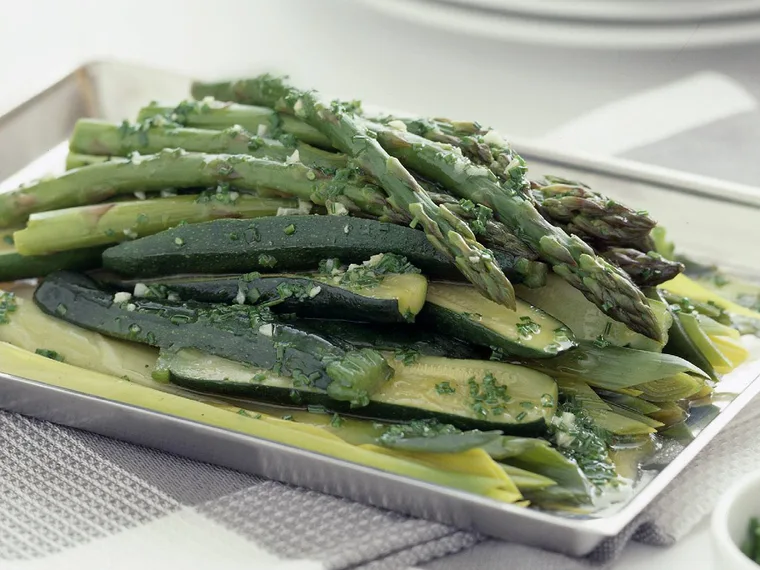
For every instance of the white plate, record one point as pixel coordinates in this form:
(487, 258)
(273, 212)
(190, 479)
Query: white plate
(648, 11)
(658, 25)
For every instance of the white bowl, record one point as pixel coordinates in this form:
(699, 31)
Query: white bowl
(730, 521)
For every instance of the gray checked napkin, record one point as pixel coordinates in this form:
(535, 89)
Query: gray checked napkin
(70, 499)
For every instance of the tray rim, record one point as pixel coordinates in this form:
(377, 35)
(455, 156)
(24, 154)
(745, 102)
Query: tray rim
(600, 528)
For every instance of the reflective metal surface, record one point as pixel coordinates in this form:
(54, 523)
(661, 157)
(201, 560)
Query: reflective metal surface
(36, 132)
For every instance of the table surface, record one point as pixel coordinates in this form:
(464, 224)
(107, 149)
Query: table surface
(414, 76)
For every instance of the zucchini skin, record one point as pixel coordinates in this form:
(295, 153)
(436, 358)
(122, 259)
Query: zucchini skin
(330, 301)
(393, 338)
(233, 335)
(235, 383)
(14, 266)
(267, 244)
(467, 327)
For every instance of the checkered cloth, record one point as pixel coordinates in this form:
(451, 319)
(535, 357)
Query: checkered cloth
(70, 499)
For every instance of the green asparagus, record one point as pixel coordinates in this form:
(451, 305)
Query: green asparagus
(590, 215)
(77, 160)
(95, 137)
(101, 224)
(482, 146)
(570, 257)
(175, 168)
(349, 133)
(603, 284)
(211, 114)
(644, 269)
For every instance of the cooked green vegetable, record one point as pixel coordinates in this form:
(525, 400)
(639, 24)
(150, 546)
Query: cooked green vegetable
(606, 416)
(586, 320)
(240, 332)
(218, 115)
(461, 311)
(682, 343)
(645, 269)
(29, 365)
(175, 168)
(527, 481)
(590, 215)
(109, 223)
(537, 456)
(434, 437)
(570, 257)
(486, 395)
(97, 137)
(350, 134)
(240, 246)
(669, 413)
(672, 388)
(14, 266)
(392, 298)
(633, 403)
(406, 343)
(77, 160)
(613, 368)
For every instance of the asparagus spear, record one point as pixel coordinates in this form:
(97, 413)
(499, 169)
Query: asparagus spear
(606, 286)
(450, 234)
(590, 215)
(603, 284)
(482, 146)
(101, 224)
(480, 219)
(77, 160)
(211, 114)
(92, 136)
(644, 269)
(175, 168)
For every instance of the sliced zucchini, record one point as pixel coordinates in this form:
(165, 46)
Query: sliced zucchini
(467, 394)
(238, 332)
(393, 298)
(281, 244)
(461, 311)
(479, 480)
(31, 329)
(407, 343)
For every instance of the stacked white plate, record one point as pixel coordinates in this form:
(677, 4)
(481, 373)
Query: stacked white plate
(655, 24)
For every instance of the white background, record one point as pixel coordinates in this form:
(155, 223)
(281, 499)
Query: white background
(342, 47)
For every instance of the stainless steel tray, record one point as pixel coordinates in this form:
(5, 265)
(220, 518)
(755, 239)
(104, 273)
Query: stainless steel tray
(32, 142)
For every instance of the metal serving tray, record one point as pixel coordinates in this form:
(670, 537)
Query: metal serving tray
(717, 219)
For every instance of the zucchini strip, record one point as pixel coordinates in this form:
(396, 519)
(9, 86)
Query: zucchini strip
(468, 394)
(239, 332)
(461, 311)
(24, 364)
(392, 298)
